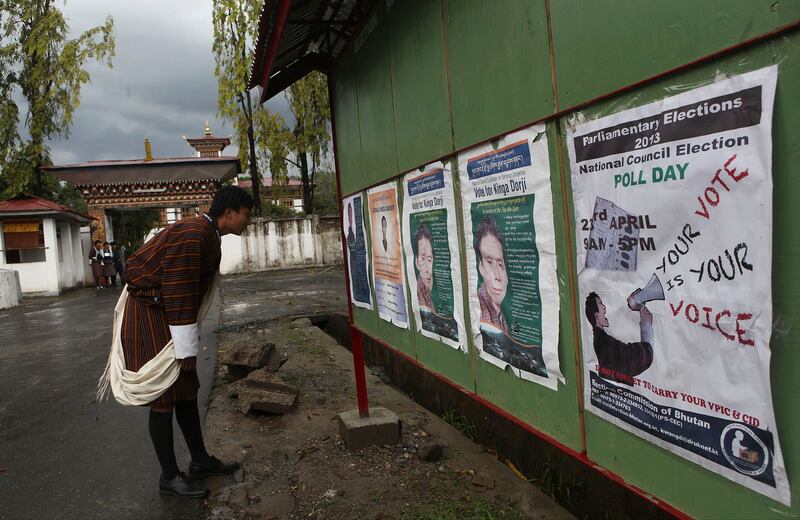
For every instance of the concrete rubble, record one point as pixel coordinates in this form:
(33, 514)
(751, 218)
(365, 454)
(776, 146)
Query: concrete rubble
(262, 391)
(245, 354)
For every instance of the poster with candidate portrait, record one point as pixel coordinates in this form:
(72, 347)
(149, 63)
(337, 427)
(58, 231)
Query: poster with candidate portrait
(387, 254)
(511, 254)
(357, 258)
(430, 238)
(673, 208)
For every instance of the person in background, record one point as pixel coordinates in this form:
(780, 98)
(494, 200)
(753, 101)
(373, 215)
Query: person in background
(117, 256)
(96, 263)
(108, 265)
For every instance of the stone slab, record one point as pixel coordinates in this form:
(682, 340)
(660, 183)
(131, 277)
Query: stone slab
(249, 355)
(262, 391)
(381, 427)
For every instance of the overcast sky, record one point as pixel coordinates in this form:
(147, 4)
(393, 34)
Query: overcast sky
(162, 85)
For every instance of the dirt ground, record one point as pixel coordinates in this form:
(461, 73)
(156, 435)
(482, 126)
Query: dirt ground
(296, 466)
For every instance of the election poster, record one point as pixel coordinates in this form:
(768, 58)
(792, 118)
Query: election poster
(357, 258)
(387, 254)
(673, 209)
(511, 254)
(430, 238)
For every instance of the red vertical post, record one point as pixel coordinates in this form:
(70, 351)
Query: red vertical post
(355, 334)
(358, 366)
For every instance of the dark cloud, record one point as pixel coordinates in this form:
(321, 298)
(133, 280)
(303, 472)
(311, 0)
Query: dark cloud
(162, 85)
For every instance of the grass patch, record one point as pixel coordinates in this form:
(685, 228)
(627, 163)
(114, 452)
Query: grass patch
(470, 508)
(461, 423)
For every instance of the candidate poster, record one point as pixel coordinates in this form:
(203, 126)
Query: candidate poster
(508, 221)
(430, 238)
(673, 209)
(387, 254)
(357, 258)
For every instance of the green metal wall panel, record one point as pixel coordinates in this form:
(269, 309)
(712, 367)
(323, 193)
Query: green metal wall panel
(375, 110)
(554, 413)
(603, 45)
(646, 465)
(348, 134)
(499, 63)
(419, 83)
(391, 115)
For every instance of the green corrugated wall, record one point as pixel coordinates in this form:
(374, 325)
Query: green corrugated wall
(428, 78)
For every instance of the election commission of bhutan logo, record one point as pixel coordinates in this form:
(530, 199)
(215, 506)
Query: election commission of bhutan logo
(744, 450)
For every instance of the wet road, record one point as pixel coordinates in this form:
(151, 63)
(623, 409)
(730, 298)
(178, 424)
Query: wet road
(62, 455)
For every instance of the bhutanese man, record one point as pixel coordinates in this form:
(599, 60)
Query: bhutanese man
(153, 360)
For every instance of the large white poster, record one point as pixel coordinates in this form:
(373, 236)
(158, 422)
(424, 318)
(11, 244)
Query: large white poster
(387, 254)
(511, 254)
(430, 237)
(357, 258)
(673, 208)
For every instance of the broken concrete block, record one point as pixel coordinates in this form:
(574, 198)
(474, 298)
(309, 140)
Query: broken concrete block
(262, 391)
(247, 354)
(276, 361)
(380, 427)
(244, 356)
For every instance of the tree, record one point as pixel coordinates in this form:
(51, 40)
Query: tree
(326, 201)
(308, 99)
(274, 138)
(40, 65)
(235, 30)
(132, 227)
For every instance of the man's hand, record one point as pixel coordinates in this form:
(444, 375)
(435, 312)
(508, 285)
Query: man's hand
(645, 316)
(189, 363)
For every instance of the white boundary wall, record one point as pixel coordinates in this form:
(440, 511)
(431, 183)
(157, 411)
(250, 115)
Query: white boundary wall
(283, 242)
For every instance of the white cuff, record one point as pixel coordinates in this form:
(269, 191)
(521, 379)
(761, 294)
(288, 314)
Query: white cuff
(646, 330)
(185, 340)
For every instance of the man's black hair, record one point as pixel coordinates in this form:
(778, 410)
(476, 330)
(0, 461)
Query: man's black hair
(488, 227)
(422, 232)
(98, 242)
(232, 197)
(592, 308)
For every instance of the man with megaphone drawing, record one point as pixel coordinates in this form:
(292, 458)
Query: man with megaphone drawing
(620, 361)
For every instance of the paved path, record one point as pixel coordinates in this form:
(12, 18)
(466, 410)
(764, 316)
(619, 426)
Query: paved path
(62, 455)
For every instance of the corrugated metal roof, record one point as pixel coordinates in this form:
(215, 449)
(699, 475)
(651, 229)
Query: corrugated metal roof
(316, 32)
(24, 203)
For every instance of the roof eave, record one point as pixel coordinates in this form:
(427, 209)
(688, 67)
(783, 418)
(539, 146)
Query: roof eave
(78, 217)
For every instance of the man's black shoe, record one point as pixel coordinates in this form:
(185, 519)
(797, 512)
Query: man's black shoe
(181, 487)
(211, 467)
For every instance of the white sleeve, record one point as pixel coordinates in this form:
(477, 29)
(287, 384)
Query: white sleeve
(185, 339)
(646, 330)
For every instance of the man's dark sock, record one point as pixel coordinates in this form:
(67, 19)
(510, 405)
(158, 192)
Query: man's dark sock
(161, 434)
(189, 420)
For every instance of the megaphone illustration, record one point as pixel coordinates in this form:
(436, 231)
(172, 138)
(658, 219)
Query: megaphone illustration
(652, 291)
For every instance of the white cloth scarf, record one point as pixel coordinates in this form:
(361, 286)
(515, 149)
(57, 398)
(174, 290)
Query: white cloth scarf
(156, 376)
